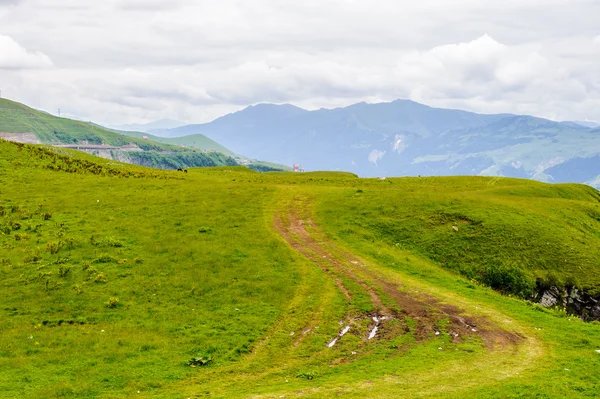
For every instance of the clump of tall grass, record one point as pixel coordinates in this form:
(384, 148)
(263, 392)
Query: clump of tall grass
(112, 303)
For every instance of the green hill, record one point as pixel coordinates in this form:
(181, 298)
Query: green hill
(198, 141)
(123, 281)
(201, 142)
(49, 129)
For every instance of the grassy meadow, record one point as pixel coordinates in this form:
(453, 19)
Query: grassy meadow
(120, 281)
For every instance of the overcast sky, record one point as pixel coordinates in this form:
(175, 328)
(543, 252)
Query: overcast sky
(133, 61)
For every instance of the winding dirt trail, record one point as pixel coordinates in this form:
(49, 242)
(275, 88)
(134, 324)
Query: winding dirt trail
(388, 299)
(398, 305)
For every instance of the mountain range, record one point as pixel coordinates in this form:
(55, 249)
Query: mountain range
(149, 127)
(403, 138)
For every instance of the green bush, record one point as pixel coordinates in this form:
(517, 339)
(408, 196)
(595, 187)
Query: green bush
(64, 270)
(509, 279)
(308, 375)
(112, 303)
(105, 259)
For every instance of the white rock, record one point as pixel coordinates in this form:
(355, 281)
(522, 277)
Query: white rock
(344, 331)
(373, 333)
(437, 333)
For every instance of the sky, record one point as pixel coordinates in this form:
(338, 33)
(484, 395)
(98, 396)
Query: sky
(136, 61)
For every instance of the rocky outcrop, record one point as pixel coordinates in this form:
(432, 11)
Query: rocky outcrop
(572, 300)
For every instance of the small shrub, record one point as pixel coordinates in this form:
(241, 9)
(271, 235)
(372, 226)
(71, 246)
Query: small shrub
(24, 215)
(49, 285)
(138, 261)
(69, 242)
(204, 229)
(509, 279)
(19, 237)
(46, 216)
(78, 289)
(309, 375)
(100, 278)
(54, 247)
(64, 270)
(105, 259)
(112, 303)
(91, 273)
(5, 229)
(33, 257)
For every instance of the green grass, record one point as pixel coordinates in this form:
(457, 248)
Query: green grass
(49, 129)
(158, 152)
(523, 226)
(198, 141)
(115, 276)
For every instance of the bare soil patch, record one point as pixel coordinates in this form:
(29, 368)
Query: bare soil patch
(425, 311)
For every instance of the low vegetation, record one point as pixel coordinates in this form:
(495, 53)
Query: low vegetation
(121, 281)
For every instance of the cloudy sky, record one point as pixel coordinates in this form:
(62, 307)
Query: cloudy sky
(134, 61)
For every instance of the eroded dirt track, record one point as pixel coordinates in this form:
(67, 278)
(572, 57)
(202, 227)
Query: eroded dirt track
(389, 299)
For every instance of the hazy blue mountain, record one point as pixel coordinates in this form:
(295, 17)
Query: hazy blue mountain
(587, 124)
(162, 124)
(407, 138)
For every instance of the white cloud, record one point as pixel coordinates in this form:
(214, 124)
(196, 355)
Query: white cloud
(399, 145)
(124, 61)
(375, 156)
(14, 56)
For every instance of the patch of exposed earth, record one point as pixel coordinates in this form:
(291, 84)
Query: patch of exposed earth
(391, 300)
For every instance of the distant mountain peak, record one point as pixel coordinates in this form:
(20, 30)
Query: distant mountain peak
(160, 124)
(588, 124)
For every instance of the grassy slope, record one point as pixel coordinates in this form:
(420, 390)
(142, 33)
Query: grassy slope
(18, 118)
(198, 141)
(198, 270)
(507, 224)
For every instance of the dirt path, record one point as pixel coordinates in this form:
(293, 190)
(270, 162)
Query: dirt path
(388, 299)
